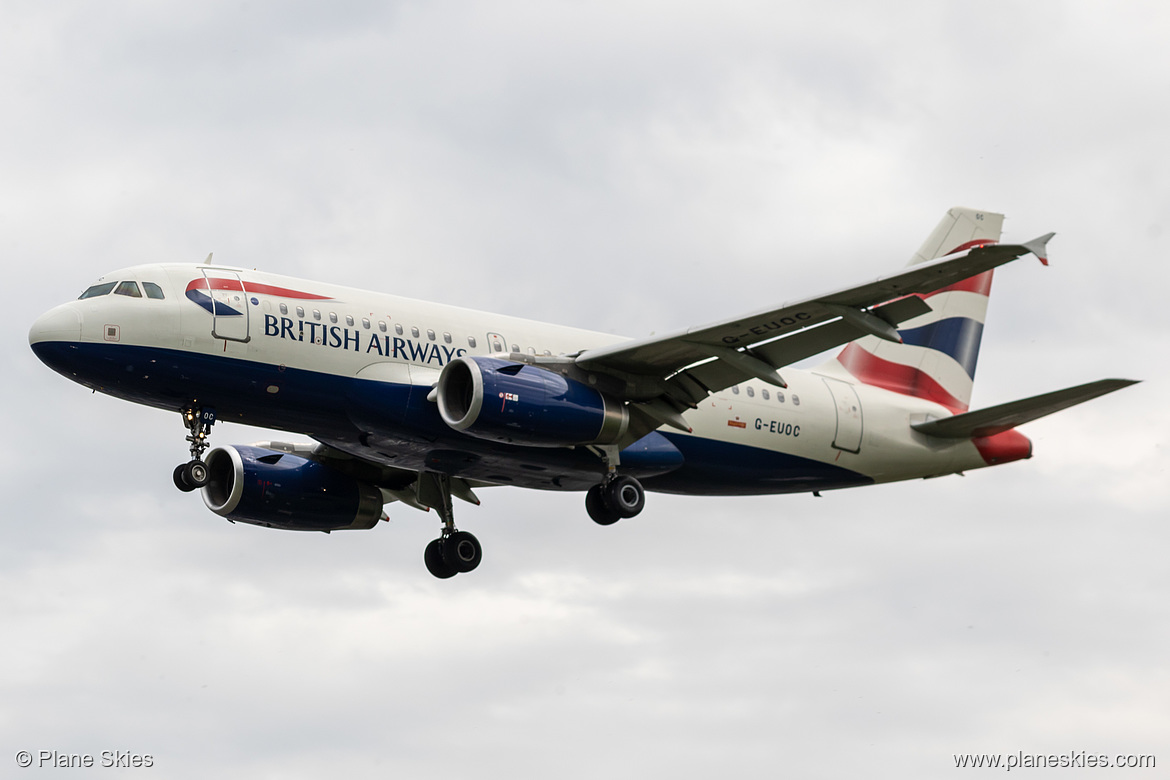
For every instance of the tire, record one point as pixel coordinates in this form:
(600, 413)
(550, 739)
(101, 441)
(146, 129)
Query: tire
(195, 474)
(436, 563)
(597, 508)
(180, 477)
(462, 551)
(625, 496)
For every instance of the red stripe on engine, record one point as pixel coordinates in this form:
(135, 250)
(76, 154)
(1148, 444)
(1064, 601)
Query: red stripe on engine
(907, 380)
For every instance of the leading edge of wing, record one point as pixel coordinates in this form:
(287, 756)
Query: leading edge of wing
(664, 355)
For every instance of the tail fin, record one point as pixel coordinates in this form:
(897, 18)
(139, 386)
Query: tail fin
(940, 349)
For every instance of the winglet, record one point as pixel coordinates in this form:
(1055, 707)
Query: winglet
(1039, 247)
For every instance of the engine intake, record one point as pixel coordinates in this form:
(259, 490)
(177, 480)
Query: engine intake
(277, 490)
(516, 403)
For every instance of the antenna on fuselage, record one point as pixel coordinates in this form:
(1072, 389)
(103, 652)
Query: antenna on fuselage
(208, 260)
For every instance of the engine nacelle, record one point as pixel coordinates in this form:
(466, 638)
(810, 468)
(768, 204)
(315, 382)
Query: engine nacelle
(497, 399)
(279, 490)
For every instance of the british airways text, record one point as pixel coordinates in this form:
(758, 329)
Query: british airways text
(337, 337)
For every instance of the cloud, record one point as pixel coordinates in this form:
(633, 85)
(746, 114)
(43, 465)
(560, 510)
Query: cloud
(629, 170)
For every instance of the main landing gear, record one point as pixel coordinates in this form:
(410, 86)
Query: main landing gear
(455, 551)
(616, 497)
(193, 474)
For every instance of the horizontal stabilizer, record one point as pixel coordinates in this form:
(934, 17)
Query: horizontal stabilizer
(997, 419)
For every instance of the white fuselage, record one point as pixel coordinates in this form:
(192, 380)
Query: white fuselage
(269, 350)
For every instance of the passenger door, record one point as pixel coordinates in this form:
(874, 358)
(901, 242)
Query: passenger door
(849, 422)
(229, 302)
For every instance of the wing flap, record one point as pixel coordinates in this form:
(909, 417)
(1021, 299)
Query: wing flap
(997, 419)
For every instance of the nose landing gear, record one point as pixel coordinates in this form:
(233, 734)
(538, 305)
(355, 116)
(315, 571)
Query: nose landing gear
(193, 474)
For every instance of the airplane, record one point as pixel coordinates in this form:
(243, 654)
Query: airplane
(419, 403)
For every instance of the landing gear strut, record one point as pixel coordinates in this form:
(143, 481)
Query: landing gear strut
(193, 474)
(455, 551)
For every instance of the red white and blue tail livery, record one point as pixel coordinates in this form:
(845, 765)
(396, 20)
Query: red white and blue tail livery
(421, 403)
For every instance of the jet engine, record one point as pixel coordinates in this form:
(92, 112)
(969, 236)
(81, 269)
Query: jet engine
(279, 490)
(517, 403)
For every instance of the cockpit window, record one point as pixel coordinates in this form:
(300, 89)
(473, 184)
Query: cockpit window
(128, 288)
(97, 290)
(153, 290)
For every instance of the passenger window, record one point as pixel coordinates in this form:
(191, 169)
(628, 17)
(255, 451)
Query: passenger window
(414, 331)
(284, 308)
(333, 317)
(532, 350)
(349, 319)
(446, 338)
(735, 389)
(430, 334)
(153, 291)
(382, 325)
(515, 347)
(128, 288)
(398, 328)
(97, 290)
(301, 312)
(471, 341)
(366, 323)
(751, 392)
(764, 393)
(780, 397)
(795, 399)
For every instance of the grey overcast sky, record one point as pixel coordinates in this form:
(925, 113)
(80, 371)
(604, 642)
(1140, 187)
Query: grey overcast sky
(629, 167)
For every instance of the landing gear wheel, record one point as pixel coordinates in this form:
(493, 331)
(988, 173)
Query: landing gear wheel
(624, 495)
(597, 508)
(462, 551)
(195, 474)
(181, 478)
(436, 562)
(455, 551)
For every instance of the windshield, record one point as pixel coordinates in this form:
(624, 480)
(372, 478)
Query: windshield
(97, 289)
(129, 289)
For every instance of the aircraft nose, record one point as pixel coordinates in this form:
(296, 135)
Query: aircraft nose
(62, 323)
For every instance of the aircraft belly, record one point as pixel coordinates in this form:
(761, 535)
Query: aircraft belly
(725, 468)
(393, 424)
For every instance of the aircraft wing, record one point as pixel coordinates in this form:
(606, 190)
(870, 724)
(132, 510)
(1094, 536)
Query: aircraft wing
(413, 488)
(681, 368)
